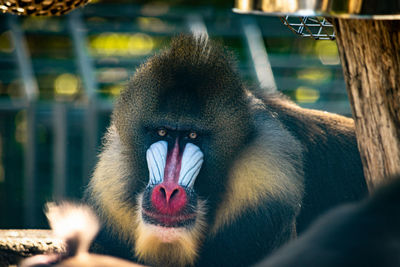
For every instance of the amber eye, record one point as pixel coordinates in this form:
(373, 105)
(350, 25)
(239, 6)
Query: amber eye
(192, 135)
(162, 132)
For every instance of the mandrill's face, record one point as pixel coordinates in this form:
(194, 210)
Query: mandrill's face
(169, 203)
(170, 215)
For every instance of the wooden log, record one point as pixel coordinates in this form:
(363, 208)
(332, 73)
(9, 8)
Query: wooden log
(18, 244)
(15, 245)
(370, 55)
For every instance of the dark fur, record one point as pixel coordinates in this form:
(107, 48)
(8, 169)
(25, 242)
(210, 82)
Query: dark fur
(194, 85)
(332, 166)
(362, 234)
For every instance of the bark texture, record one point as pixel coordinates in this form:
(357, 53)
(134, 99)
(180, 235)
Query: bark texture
(370, 55)
(18, 244)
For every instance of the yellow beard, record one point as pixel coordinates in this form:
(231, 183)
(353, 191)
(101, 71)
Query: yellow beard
(162, 246)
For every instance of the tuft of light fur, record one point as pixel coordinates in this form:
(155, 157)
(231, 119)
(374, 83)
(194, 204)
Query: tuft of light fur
(268, 168)
(172, 247)
(111, 173)
(76, 225)
(71, 221)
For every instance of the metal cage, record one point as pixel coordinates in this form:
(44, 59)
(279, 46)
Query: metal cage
(318, 28)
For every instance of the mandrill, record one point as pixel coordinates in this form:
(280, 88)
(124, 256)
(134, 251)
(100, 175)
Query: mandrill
(196, 170)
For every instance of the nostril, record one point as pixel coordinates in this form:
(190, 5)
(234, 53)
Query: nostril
(175, 192)
(163, 193)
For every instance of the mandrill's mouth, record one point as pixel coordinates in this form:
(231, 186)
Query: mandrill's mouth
(167, 220)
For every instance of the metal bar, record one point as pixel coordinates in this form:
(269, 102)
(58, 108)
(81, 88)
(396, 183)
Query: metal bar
(23, 59)
(84, 63)
(327, 25)
(31, 93)
(290, 25)
(258, 54)
(60, 150)
(307, 28)
(301, 27)
(320, 27)
(30, 197)
(86, 71)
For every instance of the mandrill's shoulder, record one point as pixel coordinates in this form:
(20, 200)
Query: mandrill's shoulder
(270, 134)
(332, 166)
(308, 125)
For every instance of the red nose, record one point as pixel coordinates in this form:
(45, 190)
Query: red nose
(168, 198)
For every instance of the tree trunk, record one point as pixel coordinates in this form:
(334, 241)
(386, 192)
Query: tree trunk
(370, 55)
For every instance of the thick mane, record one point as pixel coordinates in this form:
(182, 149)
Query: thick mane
(198, 53)
(195, 63)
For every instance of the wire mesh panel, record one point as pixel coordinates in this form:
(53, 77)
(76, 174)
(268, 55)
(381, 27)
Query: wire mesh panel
(318, 28)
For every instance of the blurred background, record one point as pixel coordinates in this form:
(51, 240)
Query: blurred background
(59, 77)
